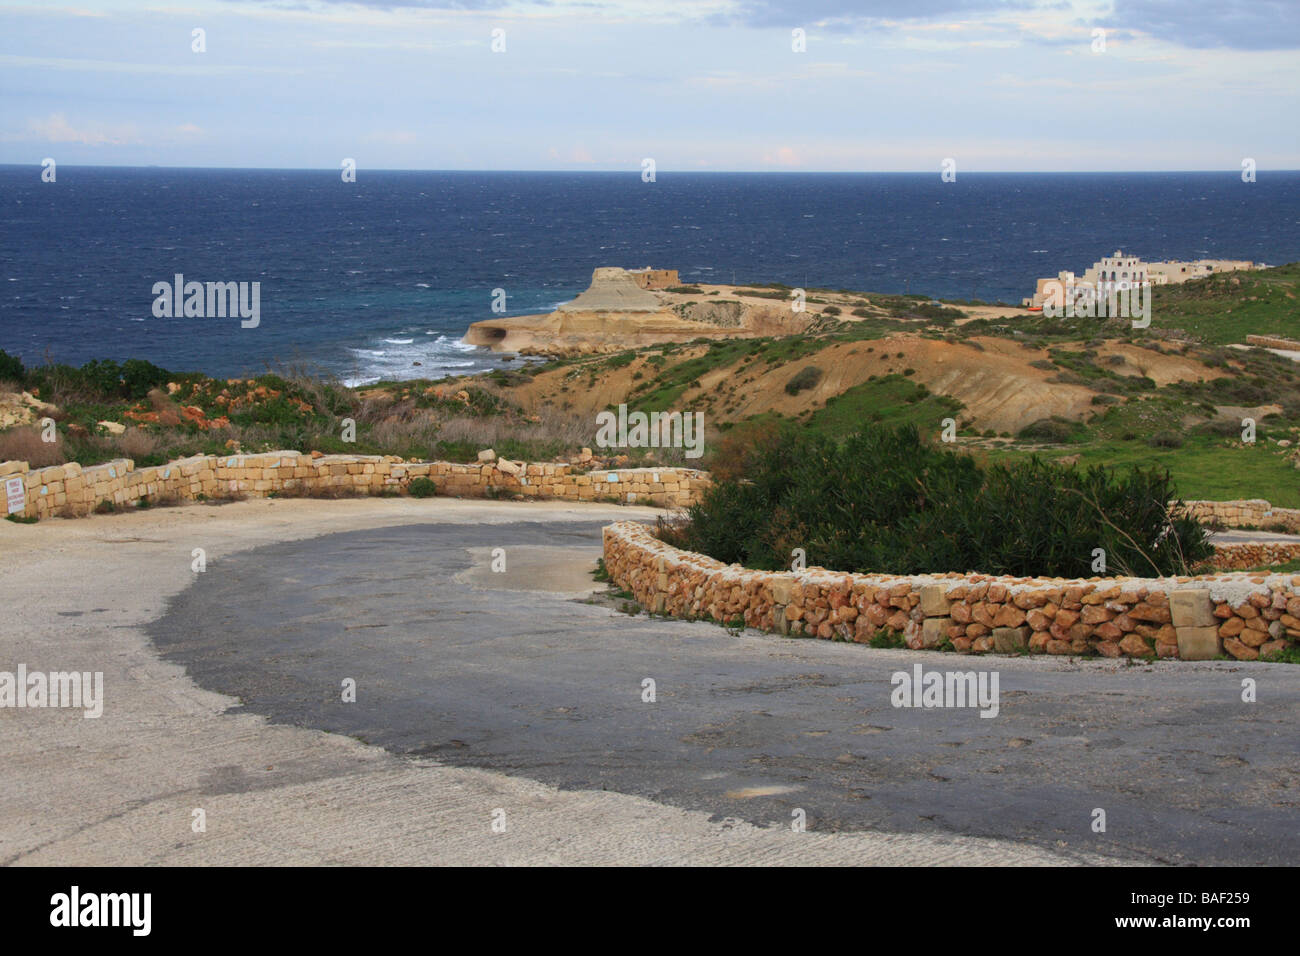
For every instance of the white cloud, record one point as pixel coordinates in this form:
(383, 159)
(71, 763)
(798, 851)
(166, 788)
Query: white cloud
(55, 128)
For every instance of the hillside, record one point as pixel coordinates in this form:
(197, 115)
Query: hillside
(1013, 383)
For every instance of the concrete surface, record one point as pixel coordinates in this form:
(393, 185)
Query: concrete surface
(122, 789)
(516, 676)
(1238, 536)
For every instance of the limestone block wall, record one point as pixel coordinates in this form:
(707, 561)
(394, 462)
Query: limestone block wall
(1193, 618)
(1253, 513)
(73, 491)
(1273, 342)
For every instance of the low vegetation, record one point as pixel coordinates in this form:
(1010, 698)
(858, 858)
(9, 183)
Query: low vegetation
(156, 416)
(883, 500)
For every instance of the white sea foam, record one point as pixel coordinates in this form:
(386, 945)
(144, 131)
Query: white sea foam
(407, 358)
(455, 344)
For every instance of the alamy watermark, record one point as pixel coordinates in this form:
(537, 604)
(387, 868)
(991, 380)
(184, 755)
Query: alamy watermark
(38, 689)
(927, 689)
(1108, 300)
(208, 300)
(75, 908)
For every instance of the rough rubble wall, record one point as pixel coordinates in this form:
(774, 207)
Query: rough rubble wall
(1193, 618)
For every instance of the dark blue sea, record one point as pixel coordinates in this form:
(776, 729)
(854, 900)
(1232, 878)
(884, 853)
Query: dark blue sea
(365, 279)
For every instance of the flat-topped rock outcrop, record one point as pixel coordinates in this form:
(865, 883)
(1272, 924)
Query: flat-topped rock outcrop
(617, 311)
(613, 290)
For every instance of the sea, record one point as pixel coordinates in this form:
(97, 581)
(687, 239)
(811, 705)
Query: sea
(380, 277)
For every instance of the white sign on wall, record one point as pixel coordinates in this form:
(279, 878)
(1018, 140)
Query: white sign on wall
(15, 494)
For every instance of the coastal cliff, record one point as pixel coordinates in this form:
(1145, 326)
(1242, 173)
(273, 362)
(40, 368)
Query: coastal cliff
(615, 313)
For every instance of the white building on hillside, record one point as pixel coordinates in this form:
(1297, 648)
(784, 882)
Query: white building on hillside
(1120, 272)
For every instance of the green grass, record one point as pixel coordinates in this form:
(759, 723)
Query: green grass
(889, 400)
(670, 383)
(1287, 568)
(887, 638)
(1226, 308)
(1202, 469)
(1287, 655)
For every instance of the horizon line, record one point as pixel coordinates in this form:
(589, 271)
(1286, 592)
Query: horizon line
(1236, 171)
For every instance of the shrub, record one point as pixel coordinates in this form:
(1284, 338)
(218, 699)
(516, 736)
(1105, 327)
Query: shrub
(100, 379)
(11, 368)
(24, 444)
(423, 488)
(139, 376)
(1053, 430)
(884, 501)
(832, 310)
(805, 378)
(1222, 428)
(141, 446)
(1165, 439)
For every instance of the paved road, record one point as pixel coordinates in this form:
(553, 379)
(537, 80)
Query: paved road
(514, 673)
(1237, 537)
(124, 789)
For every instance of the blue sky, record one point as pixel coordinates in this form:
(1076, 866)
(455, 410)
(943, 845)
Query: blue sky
(696, 85)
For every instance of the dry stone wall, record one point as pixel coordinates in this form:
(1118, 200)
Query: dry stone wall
(1272, 342)
(1251, 513)
(1254, 554)
(73, 491)
(1192, 618)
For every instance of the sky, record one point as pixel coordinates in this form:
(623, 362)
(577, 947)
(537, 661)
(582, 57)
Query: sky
(694, 85)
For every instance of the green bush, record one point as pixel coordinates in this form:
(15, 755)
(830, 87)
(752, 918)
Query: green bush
(423, 488)
(1220, 428)
(884, 501)
(1054, 430)
(101, 379)
(11, 368)
(805, 378)
(139, 376)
